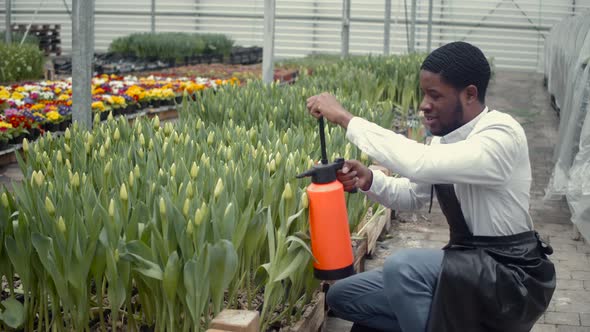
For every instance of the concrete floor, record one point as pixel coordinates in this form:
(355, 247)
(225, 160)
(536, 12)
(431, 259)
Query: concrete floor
(523, 96)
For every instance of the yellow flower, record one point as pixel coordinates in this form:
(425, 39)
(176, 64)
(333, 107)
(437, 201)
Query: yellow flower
(5, 124)
(17, 96)
(37, 107)
(41, 115)
(57, 91)
(63, 97)
(98, 105)
(4, 94)
(53, 116)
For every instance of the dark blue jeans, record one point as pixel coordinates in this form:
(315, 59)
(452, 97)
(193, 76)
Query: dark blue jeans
(394, 298)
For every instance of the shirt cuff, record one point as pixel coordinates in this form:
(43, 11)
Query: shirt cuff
(377, 184)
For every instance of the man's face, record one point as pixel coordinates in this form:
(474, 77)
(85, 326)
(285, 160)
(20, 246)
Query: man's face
(442, 107)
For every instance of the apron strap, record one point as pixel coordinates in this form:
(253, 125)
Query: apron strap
(451, 208)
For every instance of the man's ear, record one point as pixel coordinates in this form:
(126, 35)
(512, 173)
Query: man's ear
(470, 94)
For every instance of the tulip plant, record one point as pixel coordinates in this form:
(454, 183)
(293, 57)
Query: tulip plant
(165, 224)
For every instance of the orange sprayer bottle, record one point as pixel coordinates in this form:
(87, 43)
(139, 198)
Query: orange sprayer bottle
(328, 219)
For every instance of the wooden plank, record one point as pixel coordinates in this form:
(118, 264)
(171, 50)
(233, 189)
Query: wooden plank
(374, 230)
(359, 249)
(314, 316)
(236, 321)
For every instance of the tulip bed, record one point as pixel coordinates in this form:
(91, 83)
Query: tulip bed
(164, 225)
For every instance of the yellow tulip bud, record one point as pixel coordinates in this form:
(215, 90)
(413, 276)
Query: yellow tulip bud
(141, 153)
(210, 137)
(110, 117)
(156, 122)
(96, 118)
(4, 199)
(123, 193)
(101, 152)
(194, 170)
(141, 140)
(278, 158)
(168, 129)
(272, 166)
(186, 207)
(68, 164)
(173, 169)
(116, 255)
(26, 145)
(39, 178)
(161, 173)
(61, 225)
(112, 208)
(107, 143)
(49, 186)
(304, 201)
(151, 145)
(165, 146)
(117, 135)
(49, 170)
(287, 193)
(162, 207)
(76, 180)
(187, 139)
(131, 179)
(87, 147)
(200, 214)
(107, 168)
(59, 157)
(250, 182)
(190, 191)
(67, 148)
(49, 206)
(218, 188)
(67, 134)
(89, 138)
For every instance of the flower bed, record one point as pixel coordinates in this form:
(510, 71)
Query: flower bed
(30, 109)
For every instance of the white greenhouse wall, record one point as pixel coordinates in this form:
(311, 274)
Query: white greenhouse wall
(510, 31)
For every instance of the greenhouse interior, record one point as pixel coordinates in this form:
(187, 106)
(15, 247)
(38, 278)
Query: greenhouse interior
(302, 166)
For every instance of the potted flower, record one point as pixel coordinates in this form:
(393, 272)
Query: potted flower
(5, 134)
(53, 121)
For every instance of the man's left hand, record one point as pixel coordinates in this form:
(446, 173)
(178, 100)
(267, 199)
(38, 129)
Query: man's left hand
(327, 106)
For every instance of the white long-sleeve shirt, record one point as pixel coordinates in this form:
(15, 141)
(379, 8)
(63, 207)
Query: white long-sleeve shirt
(486, 159)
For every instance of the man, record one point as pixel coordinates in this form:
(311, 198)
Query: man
(494, 274)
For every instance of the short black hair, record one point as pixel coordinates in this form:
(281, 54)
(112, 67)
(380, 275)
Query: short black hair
(460, 64)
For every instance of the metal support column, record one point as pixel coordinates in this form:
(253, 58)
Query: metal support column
(7, 21)
(387, 28)
(429, 40)
(573, 7)
(314, 33)
(345, 28)
(153, 16)
(82, 54)
(413, 28)
(269, 41)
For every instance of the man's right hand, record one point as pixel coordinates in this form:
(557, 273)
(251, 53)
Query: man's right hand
(355, 175)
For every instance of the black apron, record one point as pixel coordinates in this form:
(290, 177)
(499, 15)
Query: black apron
(488, 283)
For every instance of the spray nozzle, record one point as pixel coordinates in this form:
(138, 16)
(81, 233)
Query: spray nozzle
(325, 172)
